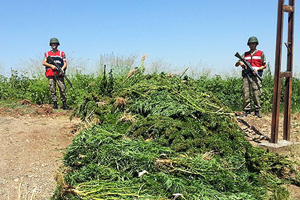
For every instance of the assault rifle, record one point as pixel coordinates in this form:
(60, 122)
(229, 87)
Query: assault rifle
(60, 70)
(248, 66)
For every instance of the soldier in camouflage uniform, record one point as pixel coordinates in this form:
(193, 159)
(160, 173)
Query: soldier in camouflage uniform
(251, 83)
(52, 74)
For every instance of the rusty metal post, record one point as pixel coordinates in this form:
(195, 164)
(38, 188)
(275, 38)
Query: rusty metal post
(288, 74)
(288, 83)
(277, 80)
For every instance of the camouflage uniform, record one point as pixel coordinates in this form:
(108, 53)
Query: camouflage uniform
(251, 83)
(252, 86)
(53, 75)
(59, 80)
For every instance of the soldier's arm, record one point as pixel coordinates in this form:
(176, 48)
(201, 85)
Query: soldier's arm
(263, 59)
(65, 62)
(240, 63)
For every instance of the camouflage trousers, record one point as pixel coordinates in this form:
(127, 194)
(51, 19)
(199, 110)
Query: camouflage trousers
(61, 85)
(251, 88)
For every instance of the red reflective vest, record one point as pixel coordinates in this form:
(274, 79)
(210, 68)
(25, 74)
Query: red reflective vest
(255, 59)
(58, 58)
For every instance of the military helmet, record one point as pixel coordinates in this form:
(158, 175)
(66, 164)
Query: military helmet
(54, 41)
(252, 40)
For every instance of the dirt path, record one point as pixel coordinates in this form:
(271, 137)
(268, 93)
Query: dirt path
(31, 147)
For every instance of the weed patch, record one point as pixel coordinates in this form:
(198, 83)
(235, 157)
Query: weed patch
(182, 141)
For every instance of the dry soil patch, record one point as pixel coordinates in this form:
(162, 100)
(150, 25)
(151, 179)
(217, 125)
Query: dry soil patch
(32, 142)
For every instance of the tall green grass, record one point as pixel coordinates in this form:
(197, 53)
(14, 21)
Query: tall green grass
(33, 85)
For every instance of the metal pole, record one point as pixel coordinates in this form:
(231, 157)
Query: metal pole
(277, 79)
(288, 84)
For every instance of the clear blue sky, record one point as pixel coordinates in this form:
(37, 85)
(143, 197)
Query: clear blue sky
(181, 32)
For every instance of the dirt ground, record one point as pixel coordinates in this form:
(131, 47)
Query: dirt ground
(33, 139)
(32, 142)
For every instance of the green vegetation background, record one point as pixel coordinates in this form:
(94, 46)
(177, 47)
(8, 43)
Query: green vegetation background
(227, 89)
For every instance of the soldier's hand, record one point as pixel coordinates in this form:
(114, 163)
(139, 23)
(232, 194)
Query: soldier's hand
(53, 67)
(243, 65)
(255, 72)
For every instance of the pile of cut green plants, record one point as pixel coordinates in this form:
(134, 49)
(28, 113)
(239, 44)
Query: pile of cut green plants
(161, 137)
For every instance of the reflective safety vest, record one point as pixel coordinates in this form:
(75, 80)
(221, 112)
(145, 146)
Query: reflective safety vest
(254, 60)
(58, 58)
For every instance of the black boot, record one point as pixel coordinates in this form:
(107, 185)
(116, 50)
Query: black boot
(247, 112)
(55, 105)
(65, 107)
(257, 114)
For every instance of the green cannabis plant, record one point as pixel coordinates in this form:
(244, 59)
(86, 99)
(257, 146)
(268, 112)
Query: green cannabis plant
(165, 137)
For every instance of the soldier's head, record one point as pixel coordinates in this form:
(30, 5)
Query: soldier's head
(252, 42)
(54, 43)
